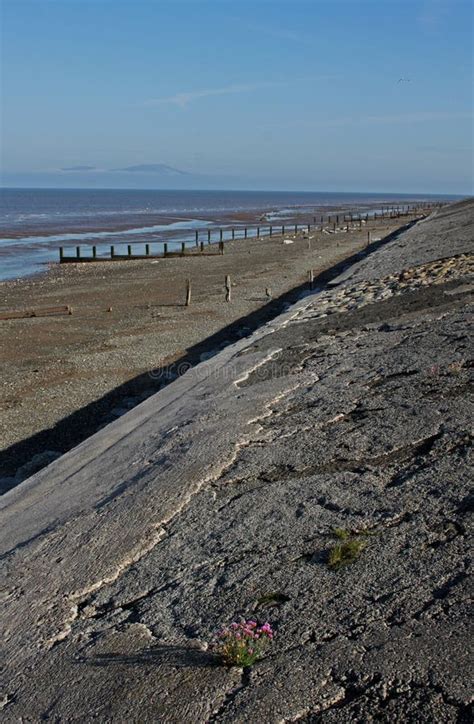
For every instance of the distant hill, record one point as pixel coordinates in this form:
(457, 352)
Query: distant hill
(160, 168)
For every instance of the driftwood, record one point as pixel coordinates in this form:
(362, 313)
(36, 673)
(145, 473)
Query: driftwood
(43, 312)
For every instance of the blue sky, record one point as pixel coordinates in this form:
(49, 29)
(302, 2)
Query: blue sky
(289, 94)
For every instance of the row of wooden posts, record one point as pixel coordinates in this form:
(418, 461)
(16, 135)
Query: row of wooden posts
(331, 220)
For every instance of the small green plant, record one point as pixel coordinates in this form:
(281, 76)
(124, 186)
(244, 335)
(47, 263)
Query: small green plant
(348, 549)
(272, 599)
(242, 644)
(456, 367)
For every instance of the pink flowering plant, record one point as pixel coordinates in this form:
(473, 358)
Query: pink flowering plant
(242, 644)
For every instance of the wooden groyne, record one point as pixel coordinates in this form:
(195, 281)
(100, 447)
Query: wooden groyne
(205, 238)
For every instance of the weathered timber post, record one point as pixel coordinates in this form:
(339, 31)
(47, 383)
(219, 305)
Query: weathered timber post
(309, 228)
(296, 228)
(271, 230)
(228, 289)
(183, 248)
(201, 248)
(258, 232)
(208, 236)
(112, 252)
(78, 252)
(129, 249)
(61, 254)
(311, 279)
(94, 252)
(245, 233)
(283, 229)
(221, 247)
(147, 249)
(368, 238)
(165, 249)
(233, 233)
(196, 233)
(220, 234)
(188, 293)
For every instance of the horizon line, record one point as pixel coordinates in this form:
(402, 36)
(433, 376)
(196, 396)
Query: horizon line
(236, 190)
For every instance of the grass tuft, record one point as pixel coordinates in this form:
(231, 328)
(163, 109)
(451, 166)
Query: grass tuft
(348, 549)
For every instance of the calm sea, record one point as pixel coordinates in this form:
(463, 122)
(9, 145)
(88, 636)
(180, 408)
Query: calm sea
(35, 222)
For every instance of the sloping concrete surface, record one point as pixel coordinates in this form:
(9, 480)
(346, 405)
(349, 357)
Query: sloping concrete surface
(217, 498)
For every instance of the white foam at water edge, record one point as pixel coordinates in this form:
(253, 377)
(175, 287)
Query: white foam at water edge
(176, 226)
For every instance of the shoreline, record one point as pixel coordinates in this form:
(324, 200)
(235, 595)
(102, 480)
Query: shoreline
(336, 434)
(34, 245)
(67, 376)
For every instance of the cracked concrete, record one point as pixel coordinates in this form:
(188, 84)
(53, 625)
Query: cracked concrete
(217, 498)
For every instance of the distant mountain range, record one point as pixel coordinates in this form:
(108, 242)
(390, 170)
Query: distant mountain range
(154, 168)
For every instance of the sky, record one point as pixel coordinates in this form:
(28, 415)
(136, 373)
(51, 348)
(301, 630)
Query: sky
(318, 95)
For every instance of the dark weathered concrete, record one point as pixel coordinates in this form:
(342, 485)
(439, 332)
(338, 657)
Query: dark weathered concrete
(217, 498)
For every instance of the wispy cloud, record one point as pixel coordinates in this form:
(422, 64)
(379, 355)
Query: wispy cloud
(183, 99)
(432, 15)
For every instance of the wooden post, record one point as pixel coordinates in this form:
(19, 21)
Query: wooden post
(147, 249)
(61, 254)
(311, 279)
(165, 249)
(245, 233)
(368, 238)
(334, 226)
(337, 219)
(233, 233)
(228, 289)
(309, 244)
(94, 252)
(271, 230)
(129, 249)
(201, 248)
(112, 252)
(208, 236)
(258, 231)
(296, 228)
(188, 292)
(309, 228)
(196, 233)
(221, 247)
(220, 234)
(283, 229)
(78, 252)
(183, 248)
